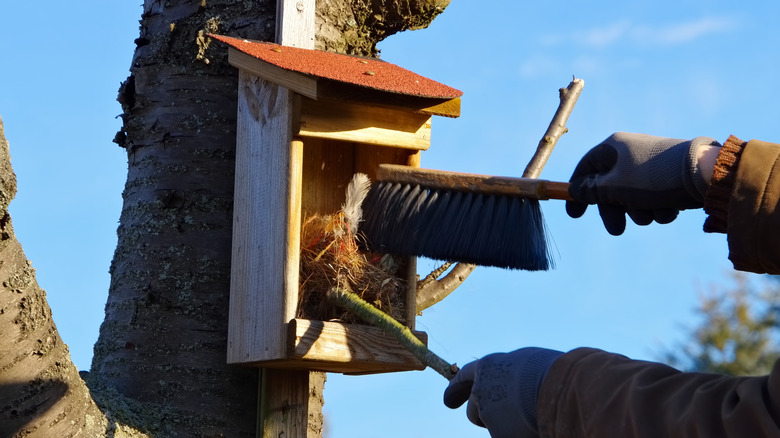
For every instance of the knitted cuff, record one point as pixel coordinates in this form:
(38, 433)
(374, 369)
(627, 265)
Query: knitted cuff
(694, 180)
(538, 362)
(716, 200)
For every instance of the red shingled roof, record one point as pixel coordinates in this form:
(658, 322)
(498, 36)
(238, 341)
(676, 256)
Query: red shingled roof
(364, 72)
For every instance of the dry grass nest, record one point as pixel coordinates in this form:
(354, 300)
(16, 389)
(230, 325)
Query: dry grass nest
(330, 256)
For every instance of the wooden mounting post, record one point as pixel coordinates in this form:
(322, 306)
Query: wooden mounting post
(285, 400)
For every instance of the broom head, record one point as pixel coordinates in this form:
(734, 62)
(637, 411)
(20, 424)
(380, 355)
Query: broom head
(456, 225)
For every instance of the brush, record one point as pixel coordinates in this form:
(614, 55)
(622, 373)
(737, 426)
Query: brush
(478, 219)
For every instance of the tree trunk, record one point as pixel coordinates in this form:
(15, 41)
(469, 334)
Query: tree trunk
(160, 360)
(41, 392)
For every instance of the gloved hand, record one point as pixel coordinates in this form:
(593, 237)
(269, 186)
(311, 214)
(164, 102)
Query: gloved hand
(650, 178)
(502, 389)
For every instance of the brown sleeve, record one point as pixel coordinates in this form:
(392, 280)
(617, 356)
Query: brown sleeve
(716, 200)
(742, 201)
(591, 393)
(753, 213)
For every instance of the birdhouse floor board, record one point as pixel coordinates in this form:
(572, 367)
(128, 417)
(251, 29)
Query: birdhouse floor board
(349, 348)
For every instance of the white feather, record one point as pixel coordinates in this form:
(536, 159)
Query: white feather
(356, 193)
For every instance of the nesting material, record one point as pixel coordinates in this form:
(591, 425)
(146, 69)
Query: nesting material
(331, 256)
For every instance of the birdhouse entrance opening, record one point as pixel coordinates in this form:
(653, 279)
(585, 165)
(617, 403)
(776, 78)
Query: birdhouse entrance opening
(328, 166)
(330, 243)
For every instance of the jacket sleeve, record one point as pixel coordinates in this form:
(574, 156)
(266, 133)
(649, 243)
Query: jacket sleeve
(591, 393)
(742, 201)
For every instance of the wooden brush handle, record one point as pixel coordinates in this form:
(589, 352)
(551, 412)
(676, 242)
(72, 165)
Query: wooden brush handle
(487, 184)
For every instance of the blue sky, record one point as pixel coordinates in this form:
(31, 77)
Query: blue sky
(672, 68)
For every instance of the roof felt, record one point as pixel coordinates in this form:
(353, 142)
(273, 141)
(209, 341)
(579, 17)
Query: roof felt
(364, 72)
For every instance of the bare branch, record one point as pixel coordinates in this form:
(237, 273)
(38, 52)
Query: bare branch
(557, 128)
(430, 290)
(433, 276)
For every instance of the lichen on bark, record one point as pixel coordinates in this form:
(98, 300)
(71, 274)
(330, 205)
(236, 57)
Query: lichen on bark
(357, 26)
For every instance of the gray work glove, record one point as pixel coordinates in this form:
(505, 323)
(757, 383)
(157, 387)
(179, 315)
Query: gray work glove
(647, 177)
(502, 389)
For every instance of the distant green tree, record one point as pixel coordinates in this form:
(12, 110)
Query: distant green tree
(739, 333)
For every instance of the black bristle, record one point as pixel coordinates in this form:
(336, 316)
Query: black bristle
(485, 232)
(497, 218)
(488, 230)
(405, 199)
(434, 216)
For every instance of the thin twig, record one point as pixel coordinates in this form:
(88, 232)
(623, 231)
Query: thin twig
(434, 275)
(365, 311)
(557, 128)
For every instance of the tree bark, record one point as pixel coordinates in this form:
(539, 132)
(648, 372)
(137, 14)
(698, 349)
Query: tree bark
(356, 26)
(160, 360)
(41, 393)
(162, 344)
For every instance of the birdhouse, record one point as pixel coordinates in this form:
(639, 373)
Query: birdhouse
(308, 121)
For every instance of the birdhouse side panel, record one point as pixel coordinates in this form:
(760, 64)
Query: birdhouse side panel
(266, 225)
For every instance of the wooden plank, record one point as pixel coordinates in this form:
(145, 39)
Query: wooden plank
(350, 348)
(411, 292)
(329, 165)
(368, 158)
(299, 83)
(286, 406)
(290, 401)
(338, 91)
(263, 290)
(448, 108)
(366, 125)
(413, 160)
(292, 267)
(295, 24)
(328, 168)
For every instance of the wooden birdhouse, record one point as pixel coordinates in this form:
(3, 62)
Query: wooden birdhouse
(308, 121)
